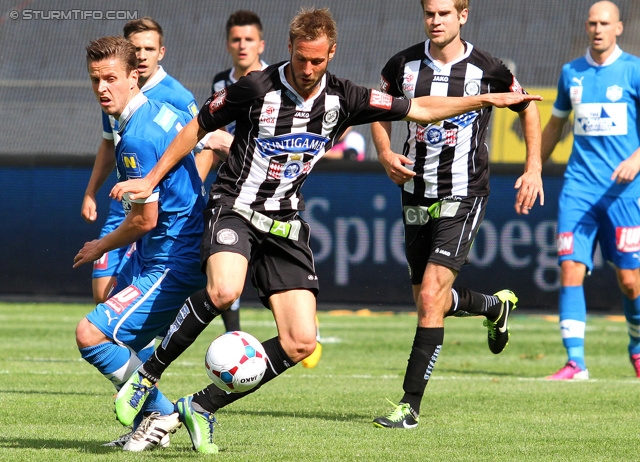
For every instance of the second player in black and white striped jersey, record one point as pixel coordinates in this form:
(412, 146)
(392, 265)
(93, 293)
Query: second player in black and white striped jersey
(450, 157)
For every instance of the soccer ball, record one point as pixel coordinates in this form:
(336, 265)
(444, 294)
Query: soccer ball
(235, 361)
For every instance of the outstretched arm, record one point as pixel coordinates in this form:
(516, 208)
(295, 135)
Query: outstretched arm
(181, 145)
(429, 109)
(529, 185)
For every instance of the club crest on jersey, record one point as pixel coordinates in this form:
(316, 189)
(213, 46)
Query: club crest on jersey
(217, 101)
(166, 118)
(614, 93)
(379, 99)
(472, 88)
(131, 165)
(330, 116)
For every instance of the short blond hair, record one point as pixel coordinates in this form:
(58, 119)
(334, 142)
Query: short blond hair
(311, 24)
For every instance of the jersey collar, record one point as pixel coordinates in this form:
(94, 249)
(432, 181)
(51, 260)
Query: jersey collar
(294, 95)
(232, 79)
(135, 104)
(155, 80)
(617, 52)
(431, 62)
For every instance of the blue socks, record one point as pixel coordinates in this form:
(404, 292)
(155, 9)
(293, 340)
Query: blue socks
(117, 363)
(573, 319)
(631, 310)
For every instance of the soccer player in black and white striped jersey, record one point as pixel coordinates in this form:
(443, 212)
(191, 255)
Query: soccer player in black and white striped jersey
(286, 116)
(443, 172)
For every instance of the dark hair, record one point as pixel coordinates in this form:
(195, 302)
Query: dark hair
(244, 18)
(311, 24)
(112, 46)
(143, 25)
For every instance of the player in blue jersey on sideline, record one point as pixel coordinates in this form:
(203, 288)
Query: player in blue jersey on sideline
(166, 227)
(599, 198)
(148, 38)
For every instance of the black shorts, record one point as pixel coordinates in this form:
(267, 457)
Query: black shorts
(445, 240)
(276, 263)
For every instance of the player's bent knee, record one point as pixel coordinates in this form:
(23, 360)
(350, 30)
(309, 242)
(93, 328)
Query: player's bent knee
(629, 282)
(88, 335)
(223, 298)
(299, 350)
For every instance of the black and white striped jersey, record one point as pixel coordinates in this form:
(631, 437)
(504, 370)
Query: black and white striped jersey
(450, 157)
(279, 136)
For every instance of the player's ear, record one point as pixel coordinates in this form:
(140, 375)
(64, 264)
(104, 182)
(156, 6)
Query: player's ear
(261, 47)
(161, 53)
(133, 79)
(332, 51)
(464, 15)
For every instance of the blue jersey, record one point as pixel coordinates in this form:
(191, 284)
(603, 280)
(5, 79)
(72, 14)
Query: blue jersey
(146, 129)
(161, 87)
(605, 100)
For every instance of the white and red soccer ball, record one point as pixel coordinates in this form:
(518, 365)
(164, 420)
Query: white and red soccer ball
(235, 361)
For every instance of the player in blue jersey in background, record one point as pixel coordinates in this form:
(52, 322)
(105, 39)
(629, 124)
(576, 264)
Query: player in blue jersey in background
(599, 198)
(166, 227)
(148, 38)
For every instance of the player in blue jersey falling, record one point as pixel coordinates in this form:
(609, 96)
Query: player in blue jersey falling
(599, 198)
(148, 38)
(286, 116)
(166, 227)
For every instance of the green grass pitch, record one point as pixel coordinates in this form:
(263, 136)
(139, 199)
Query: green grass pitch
(477, 407)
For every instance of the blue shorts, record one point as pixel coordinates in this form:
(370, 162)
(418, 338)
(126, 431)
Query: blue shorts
(112, 262)
(613, 222)
(144, 303)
